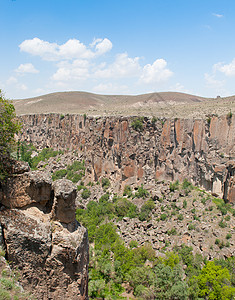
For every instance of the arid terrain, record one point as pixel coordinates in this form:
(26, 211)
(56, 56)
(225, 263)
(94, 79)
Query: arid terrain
(165, 104)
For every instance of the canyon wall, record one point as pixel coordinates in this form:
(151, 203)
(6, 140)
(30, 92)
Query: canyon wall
(202, 151)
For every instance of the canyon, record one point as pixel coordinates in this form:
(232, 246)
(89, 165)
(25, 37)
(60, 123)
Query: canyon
(51, 250)
(201, 150)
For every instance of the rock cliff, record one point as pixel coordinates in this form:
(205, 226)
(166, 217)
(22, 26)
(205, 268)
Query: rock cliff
(41, 237)
(203, 151)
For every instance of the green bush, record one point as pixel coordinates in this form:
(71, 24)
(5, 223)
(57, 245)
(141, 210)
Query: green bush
(174, 186)
(191, 226)
(180, 217)
(137, 124)
(146, 210)
(86, 194)
(105, 183)
(172, 231)
(142, 193)
(44, 155)
(222, 224)
(59, 174)
(163, 217)
(185, 204)
(127, 191)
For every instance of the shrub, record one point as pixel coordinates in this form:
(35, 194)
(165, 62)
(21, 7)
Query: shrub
(229, 115)
(137, 124)
(146, 210)
(133, 244)
(141, 193)
(228, 236)
(222, 224)
(154, 120)
(172, 231)
(180, 217)
(59, 174)
(185, 204)
(163, 217)
(187, 186)
(191, 226)
(45, 154)
(86, 193)
(127, 191)
(174, 186)
(105, 183)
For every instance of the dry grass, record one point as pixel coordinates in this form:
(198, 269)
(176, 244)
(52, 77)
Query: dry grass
(169, 104)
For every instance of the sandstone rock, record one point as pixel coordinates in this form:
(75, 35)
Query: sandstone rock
(51, 255)
(53, 262)
(27, 188)
(64, 201)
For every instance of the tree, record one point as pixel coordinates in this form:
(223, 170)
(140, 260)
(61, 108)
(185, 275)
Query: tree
(9, 126)
(214, 282)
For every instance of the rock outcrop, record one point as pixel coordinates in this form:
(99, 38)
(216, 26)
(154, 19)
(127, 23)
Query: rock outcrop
(41, 237)
(203, 151)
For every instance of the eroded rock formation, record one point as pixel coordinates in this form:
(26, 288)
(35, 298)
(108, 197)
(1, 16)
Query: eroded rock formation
(41, 237)
(203, 151)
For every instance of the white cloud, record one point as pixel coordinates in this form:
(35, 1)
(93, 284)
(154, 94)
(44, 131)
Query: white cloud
(77, 70)
(110, 88)
(227, 69)
(103, 46)
(123, 66)
(212, 82)
(26, 68)
(218, 15)
(156, 72)
(72, 49)
(180, 88)
(40, 48)
(22, 87)
(11, 80)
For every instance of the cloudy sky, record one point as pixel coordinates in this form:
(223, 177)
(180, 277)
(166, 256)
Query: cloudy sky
(117, 47)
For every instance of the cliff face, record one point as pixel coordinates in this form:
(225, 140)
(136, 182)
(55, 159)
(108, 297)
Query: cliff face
(41, 237)
(203, 151)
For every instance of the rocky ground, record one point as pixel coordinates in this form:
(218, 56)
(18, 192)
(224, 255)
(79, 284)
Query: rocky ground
(181, 215)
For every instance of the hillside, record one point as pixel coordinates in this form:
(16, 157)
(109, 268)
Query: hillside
(165, 104)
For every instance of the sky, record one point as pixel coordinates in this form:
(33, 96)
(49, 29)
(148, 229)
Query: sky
(117, 47)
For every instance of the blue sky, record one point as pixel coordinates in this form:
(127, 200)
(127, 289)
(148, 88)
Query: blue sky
(117, 47)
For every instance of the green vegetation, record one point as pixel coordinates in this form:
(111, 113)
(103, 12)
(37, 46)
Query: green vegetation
(73, 172)
(174, 186)
(146, 209)
(86, 193)
(141, 193)
(179, 275)
(9, 288)
(138, 124)
(44, 155)
(8, 128)
(127, 191)
(24, 153)
(105, 183)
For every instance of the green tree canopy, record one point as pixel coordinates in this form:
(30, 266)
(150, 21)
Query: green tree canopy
(214, 283)
(8, 128)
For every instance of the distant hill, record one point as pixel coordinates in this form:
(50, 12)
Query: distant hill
(167, 104)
